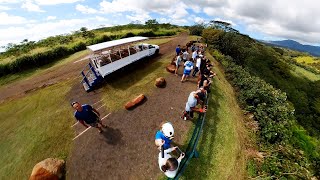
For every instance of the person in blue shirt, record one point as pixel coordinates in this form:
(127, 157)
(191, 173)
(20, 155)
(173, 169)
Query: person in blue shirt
(164, 136)
(178, 50)
(87, 115)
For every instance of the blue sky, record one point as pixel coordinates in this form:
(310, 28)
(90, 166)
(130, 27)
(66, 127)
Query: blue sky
(267, 20)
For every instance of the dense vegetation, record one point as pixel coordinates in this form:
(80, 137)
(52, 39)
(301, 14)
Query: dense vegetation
(58, 47)
(252, 67)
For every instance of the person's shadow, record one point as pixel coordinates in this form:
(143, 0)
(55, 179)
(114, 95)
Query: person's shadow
(112, 136)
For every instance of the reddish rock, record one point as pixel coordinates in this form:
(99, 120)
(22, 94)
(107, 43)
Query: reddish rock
(171, 68)
(134, 102)
(160, 82)
(48, 169)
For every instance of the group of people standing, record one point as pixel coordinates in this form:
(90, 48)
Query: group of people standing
(201, 67)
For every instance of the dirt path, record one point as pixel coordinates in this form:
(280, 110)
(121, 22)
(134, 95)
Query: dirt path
(126, 150)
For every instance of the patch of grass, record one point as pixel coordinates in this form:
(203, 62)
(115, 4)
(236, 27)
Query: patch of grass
(34, 128)
(141, 80)
(158, 41)
(194, 38)
(221, 143)
(306, 59)
(33, 72)
(252, 168)
(300, 72)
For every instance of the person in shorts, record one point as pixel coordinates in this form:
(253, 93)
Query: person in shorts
(188, 66)
(195, 97)
(87, 116)
(178, 61)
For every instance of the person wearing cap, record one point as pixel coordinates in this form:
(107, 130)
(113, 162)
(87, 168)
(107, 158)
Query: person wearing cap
(195, 97)
(164, 136)
(87, 116)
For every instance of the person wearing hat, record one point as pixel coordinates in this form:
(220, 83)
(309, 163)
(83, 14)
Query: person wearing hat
(87, 115)
(164, 136)
(195, 97)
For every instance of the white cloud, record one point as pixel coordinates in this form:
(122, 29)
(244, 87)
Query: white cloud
(292, 19)
(55, 2)
(9, 1)
(85, 9)
(29, 6)
(199, 20)
(4, 8)
(139, 17)
(101, 19)
(7, 19)
(51, 18)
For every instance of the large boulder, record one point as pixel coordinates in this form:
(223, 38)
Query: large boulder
(135, 102)
(171, 68)
(160, 82)
(48, 169)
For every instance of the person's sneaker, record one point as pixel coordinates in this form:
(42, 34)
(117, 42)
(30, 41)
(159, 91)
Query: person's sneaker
(185, 118)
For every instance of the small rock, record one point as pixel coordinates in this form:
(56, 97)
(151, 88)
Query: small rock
(49, 168)
(160, 82)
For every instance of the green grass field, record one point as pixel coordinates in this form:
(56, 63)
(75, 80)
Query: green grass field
(34, 128)
(34, 72)
(117, 93)
(300, 72)
(306, 59)
(220, 147)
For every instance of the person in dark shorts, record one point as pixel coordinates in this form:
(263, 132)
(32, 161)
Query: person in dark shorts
(87, 115)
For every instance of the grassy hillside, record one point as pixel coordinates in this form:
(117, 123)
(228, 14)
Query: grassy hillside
(249, 63)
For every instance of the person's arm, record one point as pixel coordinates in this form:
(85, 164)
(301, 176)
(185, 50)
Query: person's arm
(170, 150)
(84, 124)
(95, 111)
(200, 110)
(182, 155)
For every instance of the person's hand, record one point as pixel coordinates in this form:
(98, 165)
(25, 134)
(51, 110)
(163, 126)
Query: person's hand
(86, 126)
(202, 110)
(182, 155)
(174, 148)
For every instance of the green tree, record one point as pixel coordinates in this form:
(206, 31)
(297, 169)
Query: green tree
(152, 24)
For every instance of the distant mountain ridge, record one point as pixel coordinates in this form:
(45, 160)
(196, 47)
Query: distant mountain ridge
(291, 44)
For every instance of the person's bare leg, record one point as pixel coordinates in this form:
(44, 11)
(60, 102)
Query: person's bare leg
(182, 78)
(102, 124)
(100, 129)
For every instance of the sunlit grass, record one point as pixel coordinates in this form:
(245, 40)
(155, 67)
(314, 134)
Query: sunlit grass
(120, 91)
(300, 72)
(37, 71)
(306, 59)
(34, 128)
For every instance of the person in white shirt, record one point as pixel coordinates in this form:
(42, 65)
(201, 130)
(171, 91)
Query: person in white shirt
(168, 164)
(195, 97)
(178, 61)
(194, 55)
(185, 56)
(198, 63)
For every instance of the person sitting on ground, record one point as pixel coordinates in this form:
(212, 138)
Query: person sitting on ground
(188, 66)
(168, 164)
(164, 136)
(87, 115)
(193, 100)
(178, 61)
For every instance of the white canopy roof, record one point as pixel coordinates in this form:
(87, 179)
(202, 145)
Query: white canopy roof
(104, 45)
